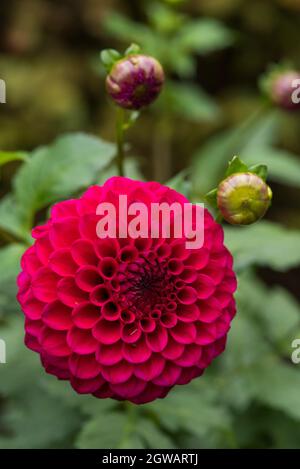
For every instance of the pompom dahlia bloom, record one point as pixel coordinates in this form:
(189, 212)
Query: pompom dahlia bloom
(124, 318)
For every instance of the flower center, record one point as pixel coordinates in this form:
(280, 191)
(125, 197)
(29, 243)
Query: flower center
(146, 287)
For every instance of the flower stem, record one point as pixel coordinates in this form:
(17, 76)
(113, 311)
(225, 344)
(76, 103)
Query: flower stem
(120, 121)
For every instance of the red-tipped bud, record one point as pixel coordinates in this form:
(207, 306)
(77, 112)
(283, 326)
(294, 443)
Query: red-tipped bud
(135, 81)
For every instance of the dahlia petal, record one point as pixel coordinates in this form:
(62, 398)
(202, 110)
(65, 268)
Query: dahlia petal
(150, 393)
(81, 341)
(205, 286)
(23, 282)
(83, 252)
(118, 373)
(169, 375)
(84, 366)
(39, 230)
(157, 340)
(44, 285)
(110, 354)
(230, 284)
(30, 262)
(61, 262)
(138, 352)
(33, 308)
(128, 254)
(87, 386)
(190, 356)
(187, 295)
(175, 266)
(86, 315)
(32, 343)
(198, 259)
(66, 208)
(209, 311)
(183, 332)
(187, 313)
(54, 342)
(131, 333)
(87, 278)
(104, 392)
(100, 295)
(43, 249)
(57, 316)
(189, 274)
(107, 247)
(69, 293)
(107, 332)
(178, 250)
(187, 374)
(64, 232)
(110, 311)
(132, 388)
(206, 333)
(168, 319)
(147, 325)
(173, 350)
(150, 369)
(34, 328)
(88, 226)
(108, 267)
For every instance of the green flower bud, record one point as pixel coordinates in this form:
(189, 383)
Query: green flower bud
(243, 198)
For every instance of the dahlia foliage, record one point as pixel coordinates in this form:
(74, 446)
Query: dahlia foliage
(121, 317)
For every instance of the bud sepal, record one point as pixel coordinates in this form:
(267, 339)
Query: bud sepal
(243, 196)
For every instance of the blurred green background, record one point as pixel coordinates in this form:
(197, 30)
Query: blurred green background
(214, 53)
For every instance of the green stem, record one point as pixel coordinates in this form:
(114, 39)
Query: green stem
(120, 121)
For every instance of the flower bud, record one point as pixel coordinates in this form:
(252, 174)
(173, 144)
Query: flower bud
(243, 198)
(285, 90)
(135, 81)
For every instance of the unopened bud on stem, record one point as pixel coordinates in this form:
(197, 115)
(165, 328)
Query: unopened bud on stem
(243, 198)
(135, 81)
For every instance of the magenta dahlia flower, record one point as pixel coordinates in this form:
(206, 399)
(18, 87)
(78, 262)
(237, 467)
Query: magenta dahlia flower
(124, 318)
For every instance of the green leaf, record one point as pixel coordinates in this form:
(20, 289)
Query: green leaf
(277, 385)
(180, 183)
(192, 409)
(71, 163)
(109, 430)
(153, 435)
(8, 156)
(265, 244)
(133, 49)
(109, 57)
(30, 417)
(276, 325)
(204, 36)
(11, 220)
(191, 102)
(9, 267)
(283, 166)
(236, 165)
(209, 162)
(131, 170)
(211, 198)
(260, 169)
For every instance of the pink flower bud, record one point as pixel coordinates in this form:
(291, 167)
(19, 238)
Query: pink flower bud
(285, 90)
(135, 81)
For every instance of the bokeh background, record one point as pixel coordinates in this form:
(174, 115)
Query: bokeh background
(214, 53)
